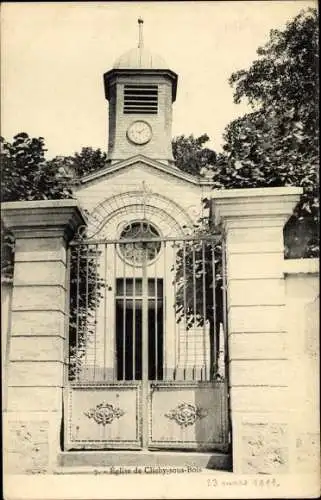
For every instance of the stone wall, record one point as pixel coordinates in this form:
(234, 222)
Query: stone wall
(292, 445)
(264, 402)
(302, 305)
(35, 360)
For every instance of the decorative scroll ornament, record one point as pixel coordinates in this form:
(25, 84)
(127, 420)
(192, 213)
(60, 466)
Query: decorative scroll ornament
(104, 413)
(186, 414)
(80, 234)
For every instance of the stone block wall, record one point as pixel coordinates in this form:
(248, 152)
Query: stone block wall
(262, 406)
(302, 306)
(35, 360)
(36, 357)
(258, 372)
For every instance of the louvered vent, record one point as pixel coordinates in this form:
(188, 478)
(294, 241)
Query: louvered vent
(141, 99)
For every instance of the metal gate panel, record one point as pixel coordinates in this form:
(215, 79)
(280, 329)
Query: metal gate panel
(188, 415)
(147, 344)
(104, 416)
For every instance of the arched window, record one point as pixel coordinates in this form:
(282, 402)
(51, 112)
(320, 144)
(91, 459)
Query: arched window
(135, 252)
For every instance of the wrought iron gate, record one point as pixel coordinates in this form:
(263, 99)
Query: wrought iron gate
(147, 347)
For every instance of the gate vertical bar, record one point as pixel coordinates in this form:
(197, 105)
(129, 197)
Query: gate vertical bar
(87, 305)
(145, 402)
(77, 314)
(134, 318)
(214, 346)
(114, 275)
(185, 309)
(165, 332)
(105, 311)
(204, 308)
(96, 301)
(175, 248)
(194, 311)
(224, 286)
(156, 317)
(124, 319)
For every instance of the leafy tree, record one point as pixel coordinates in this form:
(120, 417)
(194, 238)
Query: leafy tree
(25, 173)
(85, 288)
(199, 286)
(277, 143)
(190, 154)
(87, 161)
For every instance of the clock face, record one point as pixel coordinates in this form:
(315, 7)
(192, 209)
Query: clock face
(139, 132)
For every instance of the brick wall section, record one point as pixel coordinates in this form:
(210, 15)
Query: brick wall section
(35, 364)
(260, 399)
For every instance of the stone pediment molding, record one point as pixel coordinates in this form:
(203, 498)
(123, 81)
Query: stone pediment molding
(143, 160)
(118, 209)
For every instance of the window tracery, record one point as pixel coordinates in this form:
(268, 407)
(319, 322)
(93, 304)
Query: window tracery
(136, 252)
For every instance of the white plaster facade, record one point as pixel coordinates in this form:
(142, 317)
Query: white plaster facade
(116, 195)
(143, 189)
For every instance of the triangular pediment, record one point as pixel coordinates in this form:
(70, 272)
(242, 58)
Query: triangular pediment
(142, 160)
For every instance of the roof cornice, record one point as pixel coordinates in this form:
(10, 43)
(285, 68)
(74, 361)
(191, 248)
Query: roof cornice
(175, 172)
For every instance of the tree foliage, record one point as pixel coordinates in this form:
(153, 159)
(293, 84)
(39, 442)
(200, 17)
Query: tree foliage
(277, 143)
(25, 173)
(191, 155)
(85, 291)
(80, 164)
(199, 286)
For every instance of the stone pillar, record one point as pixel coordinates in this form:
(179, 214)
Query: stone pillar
(261, 404)
(36, 354)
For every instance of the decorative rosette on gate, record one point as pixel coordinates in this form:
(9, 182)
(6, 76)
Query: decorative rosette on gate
(104, 413)
(186, 414)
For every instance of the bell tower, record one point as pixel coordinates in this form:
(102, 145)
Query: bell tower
(141, 90)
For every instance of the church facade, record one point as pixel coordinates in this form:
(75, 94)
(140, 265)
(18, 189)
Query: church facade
(152, 365)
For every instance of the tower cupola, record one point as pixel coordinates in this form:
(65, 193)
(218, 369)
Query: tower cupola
(141, 90)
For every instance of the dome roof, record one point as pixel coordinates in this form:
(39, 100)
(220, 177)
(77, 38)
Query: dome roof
(140, 58)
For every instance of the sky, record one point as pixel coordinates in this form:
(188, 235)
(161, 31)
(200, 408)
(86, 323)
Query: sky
(54, 55)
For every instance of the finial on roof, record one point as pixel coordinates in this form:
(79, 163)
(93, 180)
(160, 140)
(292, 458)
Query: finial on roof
(140, 27)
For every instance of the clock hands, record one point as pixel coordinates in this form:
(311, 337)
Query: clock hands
(139, 132)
